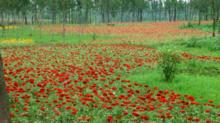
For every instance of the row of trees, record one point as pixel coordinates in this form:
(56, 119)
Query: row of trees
(72, 10)
(105, 11)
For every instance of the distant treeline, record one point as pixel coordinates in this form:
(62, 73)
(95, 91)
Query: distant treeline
(106, 11)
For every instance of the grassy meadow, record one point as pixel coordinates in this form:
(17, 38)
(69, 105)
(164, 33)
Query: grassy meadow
(111, 73)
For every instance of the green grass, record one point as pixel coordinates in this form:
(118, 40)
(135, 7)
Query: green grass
(204, 27)
(197, 78)
(204, 86)
(43, 37)
(199, 46)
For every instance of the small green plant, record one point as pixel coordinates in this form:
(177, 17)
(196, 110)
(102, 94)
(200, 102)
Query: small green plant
(193, 66)
(215, 47)
(189, 25)
(192, 43)
(94, 36)
(219, 27)
(167, 63)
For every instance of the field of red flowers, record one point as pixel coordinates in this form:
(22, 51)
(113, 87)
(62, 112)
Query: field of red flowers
(138, 32)
(64, 83)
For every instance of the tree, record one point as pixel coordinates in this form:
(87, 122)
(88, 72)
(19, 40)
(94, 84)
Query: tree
(202, 7)
(4, 104)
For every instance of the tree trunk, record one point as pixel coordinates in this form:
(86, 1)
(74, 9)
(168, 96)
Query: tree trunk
(108, 11)
(4, 102)
(160, 13)
(2, 18)
(103, 15)
(133, 16)
(108, 16)
(86, 15)
(206, 16)
(140, 15)
(53, 15)
(122, 15)
(169, 14)
(217, 19)
(175, 13)
(63, 24)
(200, 17)
(25, 18)
(186, 13)
(214, 18)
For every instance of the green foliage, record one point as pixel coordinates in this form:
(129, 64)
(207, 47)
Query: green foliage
(94, 36)
(168, 62)
(215, 46)
(196, 67)
(219, 27)
(204, 27)
(189, 25)
(44, 37)
(194, 42)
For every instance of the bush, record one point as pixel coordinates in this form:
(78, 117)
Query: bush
(219, 27)
(192, 43)
(215, 45)
(189, 25)
(167, 63)
(94, 36)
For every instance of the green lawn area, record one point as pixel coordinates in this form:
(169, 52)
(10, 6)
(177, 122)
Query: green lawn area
(44, 37)
(198, 78)
(207, 87)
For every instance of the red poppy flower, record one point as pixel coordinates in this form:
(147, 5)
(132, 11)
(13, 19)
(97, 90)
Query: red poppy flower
(110, 118)
(136, 114)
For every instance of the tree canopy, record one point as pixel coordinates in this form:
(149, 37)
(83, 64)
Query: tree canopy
(107, 9)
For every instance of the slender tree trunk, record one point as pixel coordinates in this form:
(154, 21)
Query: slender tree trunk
(53, 14)
(160, 14)
(206, 16)
(103, 15)
(86, 15)
(25, 18)
(108, 16)
(186, 13)
(2, 18)
(217, 19)
(175, 13)
(214, 18)
(169, 14)
(140, 15)
(122, 15)
(4, 99)
(8, 16)
(63, 24)
(133, 16)
(108, 11)
(200, 17)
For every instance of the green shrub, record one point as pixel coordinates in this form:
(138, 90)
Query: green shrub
(94, 36)
(193, 66)
(194, 42)
(215, 47)
(167, 63)
(189, 25)
(219, 27)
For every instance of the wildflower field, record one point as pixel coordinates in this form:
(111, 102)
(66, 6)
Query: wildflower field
(111, 74)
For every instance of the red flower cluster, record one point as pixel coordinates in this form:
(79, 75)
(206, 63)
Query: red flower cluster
(84, 83)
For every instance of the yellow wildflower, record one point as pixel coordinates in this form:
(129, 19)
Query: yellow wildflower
(9, 27)
(16, 41)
